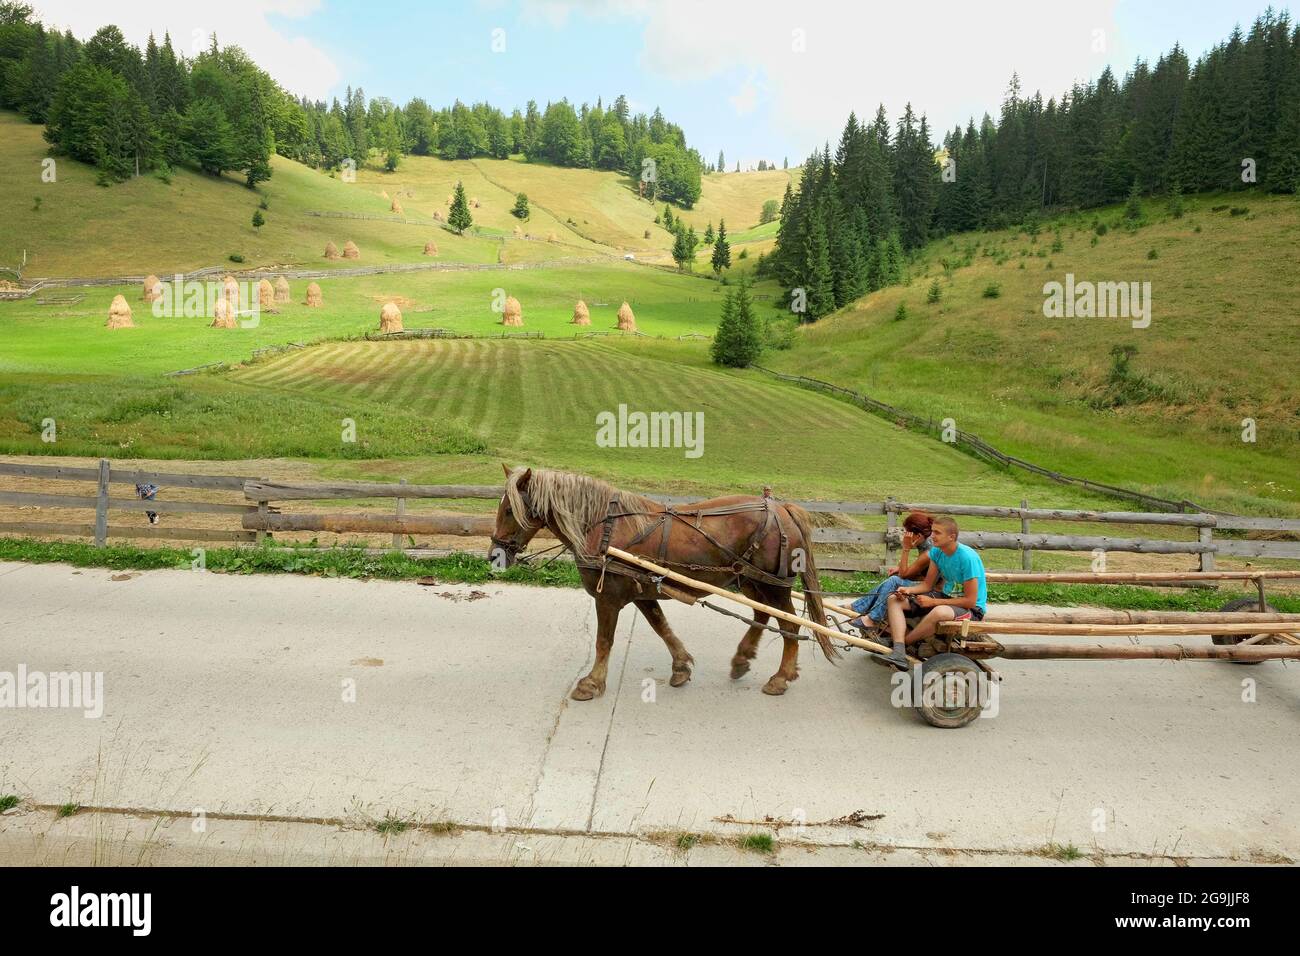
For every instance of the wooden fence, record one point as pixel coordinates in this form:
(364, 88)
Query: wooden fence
(257, 516)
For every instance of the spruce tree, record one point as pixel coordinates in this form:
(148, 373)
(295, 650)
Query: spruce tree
(738, 340)
(682, 254)
(459, 217)
(708, 235)
(668, 218)
(721, 249)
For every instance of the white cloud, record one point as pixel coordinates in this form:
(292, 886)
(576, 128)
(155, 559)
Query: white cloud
(294, 61)
(949, 58)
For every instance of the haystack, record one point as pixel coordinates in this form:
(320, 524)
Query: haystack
(331, 250)
(282, 293)
(514, 313)
(518, 233)
(397, 207)
(350, 250)
(223, 315)
(626, 320)
(580, 314)
(230, 292)
(437, 215)
(314, 297)
(265, 295)
(450, 199)
(152, 288)
(119, 314)
(552, 237)
(384, 193)
(390, 318)
(474, 202)
(430, 248)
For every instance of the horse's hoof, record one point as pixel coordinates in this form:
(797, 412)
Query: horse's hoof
(680, 675)
(739, 667)
(776, 685)
(587, 689)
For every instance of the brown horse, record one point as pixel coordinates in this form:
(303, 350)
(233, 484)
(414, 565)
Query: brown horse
(756, 542)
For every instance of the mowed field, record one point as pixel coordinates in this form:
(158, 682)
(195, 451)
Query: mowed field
(1221, 347)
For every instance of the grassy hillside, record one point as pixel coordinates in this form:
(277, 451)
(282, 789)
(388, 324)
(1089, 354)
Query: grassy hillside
(1221, 347)
(146, 225)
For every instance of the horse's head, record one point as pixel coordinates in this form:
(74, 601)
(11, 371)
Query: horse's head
(515, 526)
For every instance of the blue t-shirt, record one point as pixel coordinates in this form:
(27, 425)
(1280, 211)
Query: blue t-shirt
(964, 564)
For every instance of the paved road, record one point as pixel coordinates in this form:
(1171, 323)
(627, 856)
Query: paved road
(231, 695)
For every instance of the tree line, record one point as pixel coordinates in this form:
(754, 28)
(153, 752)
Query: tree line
(124, 110)
(1230, 121)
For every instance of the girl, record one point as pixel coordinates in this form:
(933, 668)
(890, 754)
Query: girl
(916, 534)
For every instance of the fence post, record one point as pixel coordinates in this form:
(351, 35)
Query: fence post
(891, 522)
(1026, 562)
(261, 510)
(1206, 535)
(401, 510)
(101, 505)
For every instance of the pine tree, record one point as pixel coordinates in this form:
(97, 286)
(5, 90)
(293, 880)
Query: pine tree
(818, 282)
(258, 219)
(738, 341)
(722, 163)
(668, 218)
(682, 253)
(459, 217)
(721, 249)
(1133, 207)
(708, 235)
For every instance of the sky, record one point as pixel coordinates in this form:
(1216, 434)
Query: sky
(757, 79)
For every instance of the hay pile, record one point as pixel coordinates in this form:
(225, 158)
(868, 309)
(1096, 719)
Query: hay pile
(384, 193)
(430, 248)
(331, 250)
(580, 314)
(390, 318)
(230, 292)
(313, 295)
(396, 207)
(437, 215)
(626, 320)
(514, 313)
(518, 232)
(552, 237)
(223, 316)
(474, 202)
(450, 199)
(265, 295)
(282, 293)
(119, 314)
(152, 288)
(350, 250)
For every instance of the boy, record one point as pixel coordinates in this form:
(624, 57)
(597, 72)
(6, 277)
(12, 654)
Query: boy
(964, 594)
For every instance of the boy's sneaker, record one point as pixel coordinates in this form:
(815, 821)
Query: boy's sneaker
(895, 658)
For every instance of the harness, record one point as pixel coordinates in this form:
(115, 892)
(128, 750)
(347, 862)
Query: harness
(741, 565)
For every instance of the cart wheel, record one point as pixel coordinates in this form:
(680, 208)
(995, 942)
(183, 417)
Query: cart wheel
(1231, 640)
(956, 679)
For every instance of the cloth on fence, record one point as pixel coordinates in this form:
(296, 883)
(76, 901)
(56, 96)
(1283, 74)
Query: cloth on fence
(148, 493)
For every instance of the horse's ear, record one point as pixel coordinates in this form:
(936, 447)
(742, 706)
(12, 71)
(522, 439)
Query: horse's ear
(506, 469)
(524, 478)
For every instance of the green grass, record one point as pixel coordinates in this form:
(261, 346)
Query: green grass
(8, 801)
(757, 843)
(68, 809)
(1064, 854)
(474, 569)
(1220, 348)
(391, 825)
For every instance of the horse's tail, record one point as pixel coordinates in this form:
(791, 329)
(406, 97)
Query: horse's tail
(813, 607)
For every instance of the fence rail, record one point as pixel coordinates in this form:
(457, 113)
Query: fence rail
(257, 517)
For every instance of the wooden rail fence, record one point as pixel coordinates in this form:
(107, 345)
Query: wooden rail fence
(257, 517)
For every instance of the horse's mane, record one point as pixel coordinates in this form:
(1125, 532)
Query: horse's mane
(573, 503)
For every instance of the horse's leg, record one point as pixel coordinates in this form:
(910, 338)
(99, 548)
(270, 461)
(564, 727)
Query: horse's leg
(789, 669)
(682, 659)
(747, 649)
(593, 685)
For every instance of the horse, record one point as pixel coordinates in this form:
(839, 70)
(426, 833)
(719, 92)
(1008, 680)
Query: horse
(750, 542)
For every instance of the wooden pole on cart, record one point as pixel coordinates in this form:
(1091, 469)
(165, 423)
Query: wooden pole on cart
(748, 602)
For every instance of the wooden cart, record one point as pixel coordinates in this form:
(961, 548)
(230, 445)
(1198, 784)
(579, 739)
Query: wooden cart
(1244, 632)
